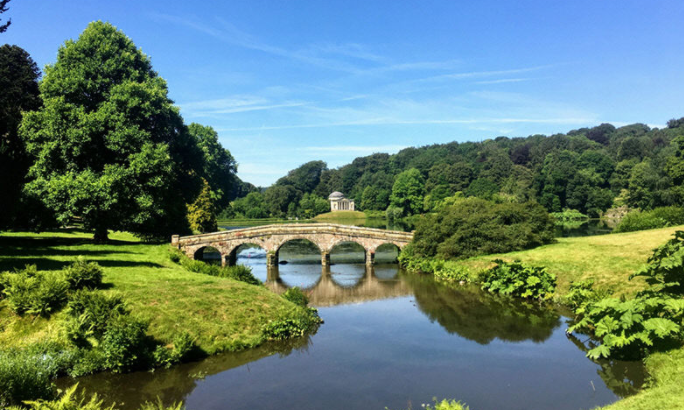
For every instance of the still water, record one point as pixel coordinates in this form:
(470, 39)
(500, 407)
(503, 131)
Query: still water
(390, 339)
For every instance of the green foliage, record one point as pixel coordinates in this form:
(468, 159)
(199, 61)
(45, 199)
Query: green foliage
(109, 146)
(89, 314)
(653, 320)
(311, 205)
(408, 192)
(72, 400)
(202, 212)
(33, 292)
(296, 296)
(125, 343)
(251, 206)
(23, 376)
(447, 405)
(184, 348)
(19, 84)
(83, 274)
(665, 269)
(285, 329)
(242, 273)
(475, 226)
(517, 279)
(660, 217)
(219, 166)
(568, 215)
(238, 272)
(583, 292)
(628, 328)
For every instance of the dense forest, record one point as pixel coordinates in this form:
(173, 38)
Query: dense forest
(589, 169)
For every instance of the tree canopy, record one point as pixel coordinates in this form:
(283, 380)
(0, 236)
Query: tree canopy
(110, 149)
(19, 84)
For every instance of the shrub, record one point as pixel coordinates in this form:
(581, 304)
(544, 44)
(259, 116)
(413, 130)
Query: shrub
(475, 226)
(568, 215)
(83, 274)
(516, 279)
(70, 400)
(284, 329)
(296, 296)
(89, 314)
(665, 269)
(125, 344)
(184, 348)
(238, 272)
(447, 405)
(454, 273)
(628, 328)
(24, 376)
(583, 292)
(657, 218)
(30, 291)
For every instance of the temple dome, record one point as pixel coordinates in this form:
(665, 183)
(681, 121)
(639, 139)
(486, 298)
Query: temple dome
(336, 195)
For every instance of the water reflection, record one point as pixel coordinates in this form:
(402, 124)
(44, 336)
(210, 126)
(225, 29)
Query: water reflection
(481, 316)
(339, 284)
(130, 391)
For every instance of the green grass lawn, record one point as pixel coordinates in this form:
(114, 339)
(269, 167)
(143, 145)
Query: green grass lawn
(222, 313)
(340, 215)
(607, 259)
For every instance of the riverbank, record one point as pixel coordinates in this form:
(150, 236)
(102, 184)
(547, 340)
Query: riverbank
(609, 260)
(220, 313)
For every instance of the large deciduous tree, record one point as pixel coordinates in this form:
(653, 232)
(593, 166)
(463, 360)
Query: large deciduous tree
(110, 148)
(219, 165)
(19, 93)
(408, 192)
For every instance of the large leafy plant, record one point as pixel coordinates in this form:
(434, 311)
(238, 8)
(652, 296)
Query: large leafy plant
(654, 319)
(517, 279)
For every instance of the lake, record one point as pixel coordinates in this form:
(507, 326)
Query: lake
(390, 339)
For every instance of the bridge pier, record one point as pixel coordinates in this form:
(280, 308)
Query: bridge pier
(325, 258)
(272, 258)
(370, 258)
(230, 259)
(272, 273)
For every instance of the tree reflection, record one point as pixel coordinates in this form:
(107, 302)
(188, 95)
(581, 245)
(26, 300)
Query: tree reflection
(481, 316)
(175, 384)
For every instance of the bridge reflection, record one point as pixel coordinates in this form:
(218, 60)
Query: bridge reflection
(339, 284)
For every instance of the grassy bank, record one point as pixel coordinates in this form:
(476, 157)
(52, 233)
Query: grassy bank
(221, 313)
(608, 259)
(340, 215)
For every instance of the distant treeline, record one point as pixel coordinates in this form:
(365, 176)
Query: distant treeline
(588, 169)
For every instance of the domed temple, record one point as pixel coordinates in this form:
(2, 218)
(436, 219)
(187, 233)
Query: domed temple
(339, 203)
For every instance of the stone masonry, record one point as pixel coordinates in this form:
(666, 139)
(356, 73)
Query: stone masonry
(272, 237)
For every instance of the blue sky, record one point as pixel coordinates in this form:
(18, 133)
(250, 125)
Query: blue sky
(288, 82)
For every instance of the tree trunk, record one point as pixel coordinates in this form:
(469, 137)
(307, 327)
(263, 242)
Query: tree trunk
(101, 234)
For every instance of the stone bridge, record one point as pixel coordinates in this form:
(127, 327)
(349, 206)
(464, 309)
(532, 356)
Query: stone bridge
(272, 237)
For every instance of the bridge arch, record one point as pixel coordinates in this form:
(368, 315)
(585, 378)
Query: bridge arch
(209, 254)
(230, 256)
(307, 244)
(351, 246)
(389, 252)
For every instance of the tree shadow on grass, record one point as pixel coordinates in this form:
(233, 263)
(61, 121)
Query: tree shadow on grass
(52, 264)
